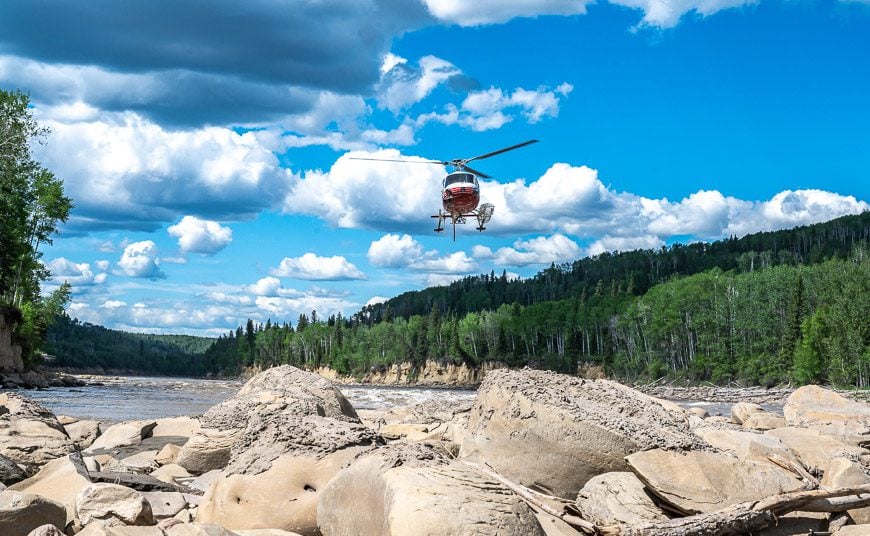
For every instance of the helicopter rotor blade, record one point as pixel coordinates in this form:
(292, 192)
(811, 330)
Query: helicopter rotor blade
(443, 163)
(478, 173)
(506, 149)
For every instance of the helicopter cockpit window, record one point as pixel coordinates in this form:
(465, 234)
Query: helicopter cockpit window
(454, 178)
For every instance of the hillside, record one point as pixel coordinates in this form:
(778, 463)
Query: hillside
(633, 272)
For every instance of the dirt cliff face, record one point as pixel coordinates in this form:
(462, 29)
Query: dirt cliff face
(10, 354)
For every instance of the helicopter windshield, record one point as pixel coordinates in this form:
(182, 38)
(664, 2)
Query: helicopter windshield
(454, 178)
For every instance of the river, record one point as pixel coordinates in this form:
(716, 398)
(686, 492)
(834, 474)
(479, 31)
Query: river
(138, 397)
(122, 398)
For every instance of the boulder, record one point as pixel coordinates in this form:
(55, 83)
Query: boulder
(814, 448)
(821, 409)
(168, 454)
(285, 496)
(702, 482)
(83, 433)
(265, 532)
(170, 472)
(614, 498)
(109, 502)
(207, 450)
(199, 529)
(21, 513)
(282, 455)
(100, 528)
(414, 489)
(742, 410)
(60, 480)
(121, 434)
(165, 504)
(763, 420)
(203, 481)
(46, 530)
(698, 412)
(176, 427)
(749, 446)
(143, 462)
(572, 428)
(843, 473)
(10, 472)
(30, 435)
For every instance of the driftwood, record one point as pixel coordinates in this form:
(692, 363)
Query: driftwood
(734, 520)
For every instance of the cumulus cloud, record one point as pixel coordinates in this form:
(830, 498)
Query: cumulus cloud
(495, 11)
(77, 274)
(200, 236)
(656, 13)
(402, 85)
(567, 200)
(492, 108)
(140, 259)
(229, 62)
(127, 172)
(313, 267)
(392, 250)
(374, 300)
(541, 250)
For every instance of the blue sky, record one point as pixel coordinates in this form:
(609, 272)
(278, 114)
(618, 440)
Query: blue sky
(207, 151)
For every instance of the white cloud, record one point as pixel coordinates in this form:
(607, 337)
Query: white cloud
(140, 260)
(102, 265)
(313, 267)
(656, 13)
(401, 85)
(492, 108)
(291, 308)
(452, 263)
(392, 250)
(127, 172)
(113, 304)
(76, 274)
(267, 286)
(624, 243)
(791, 208)
(374, 300)
(442, 280)
(467, 13)
(200, 236)
(541, 250)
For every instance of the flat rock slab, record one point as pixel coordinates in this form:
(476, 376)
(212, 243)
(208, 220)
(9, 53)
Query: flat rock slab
(124, 433)
(618, 497)
(22, 512)
(843, 473)
(746, 445)
(814, 407)
(554, 432)
(702, 482)
(814, 448)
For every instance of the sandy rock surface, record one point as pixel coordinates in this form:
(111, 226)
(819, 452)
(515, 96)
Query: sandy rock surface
(618, 497)
(824, 410)
(414, 489)
(21, 513)
(30, 434)
(573, 429)
(110, 502)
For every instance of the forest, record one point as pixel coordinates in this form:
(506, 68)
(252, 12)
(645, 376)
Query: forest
(790, 306)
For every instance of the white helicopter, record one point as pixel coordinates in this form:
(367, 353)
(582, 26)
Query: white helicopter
(460, 190)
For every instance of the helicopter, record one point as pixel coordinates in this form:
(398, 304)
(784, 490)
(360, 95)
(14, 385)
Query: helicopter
(460, 189)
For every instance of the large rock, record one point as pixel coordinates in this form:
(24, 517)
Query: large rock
(614, 498)
(814, 407)
(21, 513)
(10, 472)
(843, 473)
(100, 528)
(701, 482)
(746, 445)
(764, 420)
(854, 530)
(814, 448)
(170, 473)
(176, 426)
(83, 432)
(413, 489)
(165, 504)
(286, 456)
(555, 432)
(199, 529)
(122, 434)
(60, 480)
(30, 435)
(285, 496)
(46, 530)
(279, 390)
(742, 410)
(109, 502)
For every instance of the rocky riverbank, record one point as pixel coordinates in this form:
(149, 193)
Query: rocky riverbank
(534, 453)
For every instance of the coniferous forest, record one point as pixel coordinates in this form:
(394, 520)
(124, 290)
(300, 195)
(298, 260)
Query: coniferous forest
(784, 306)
